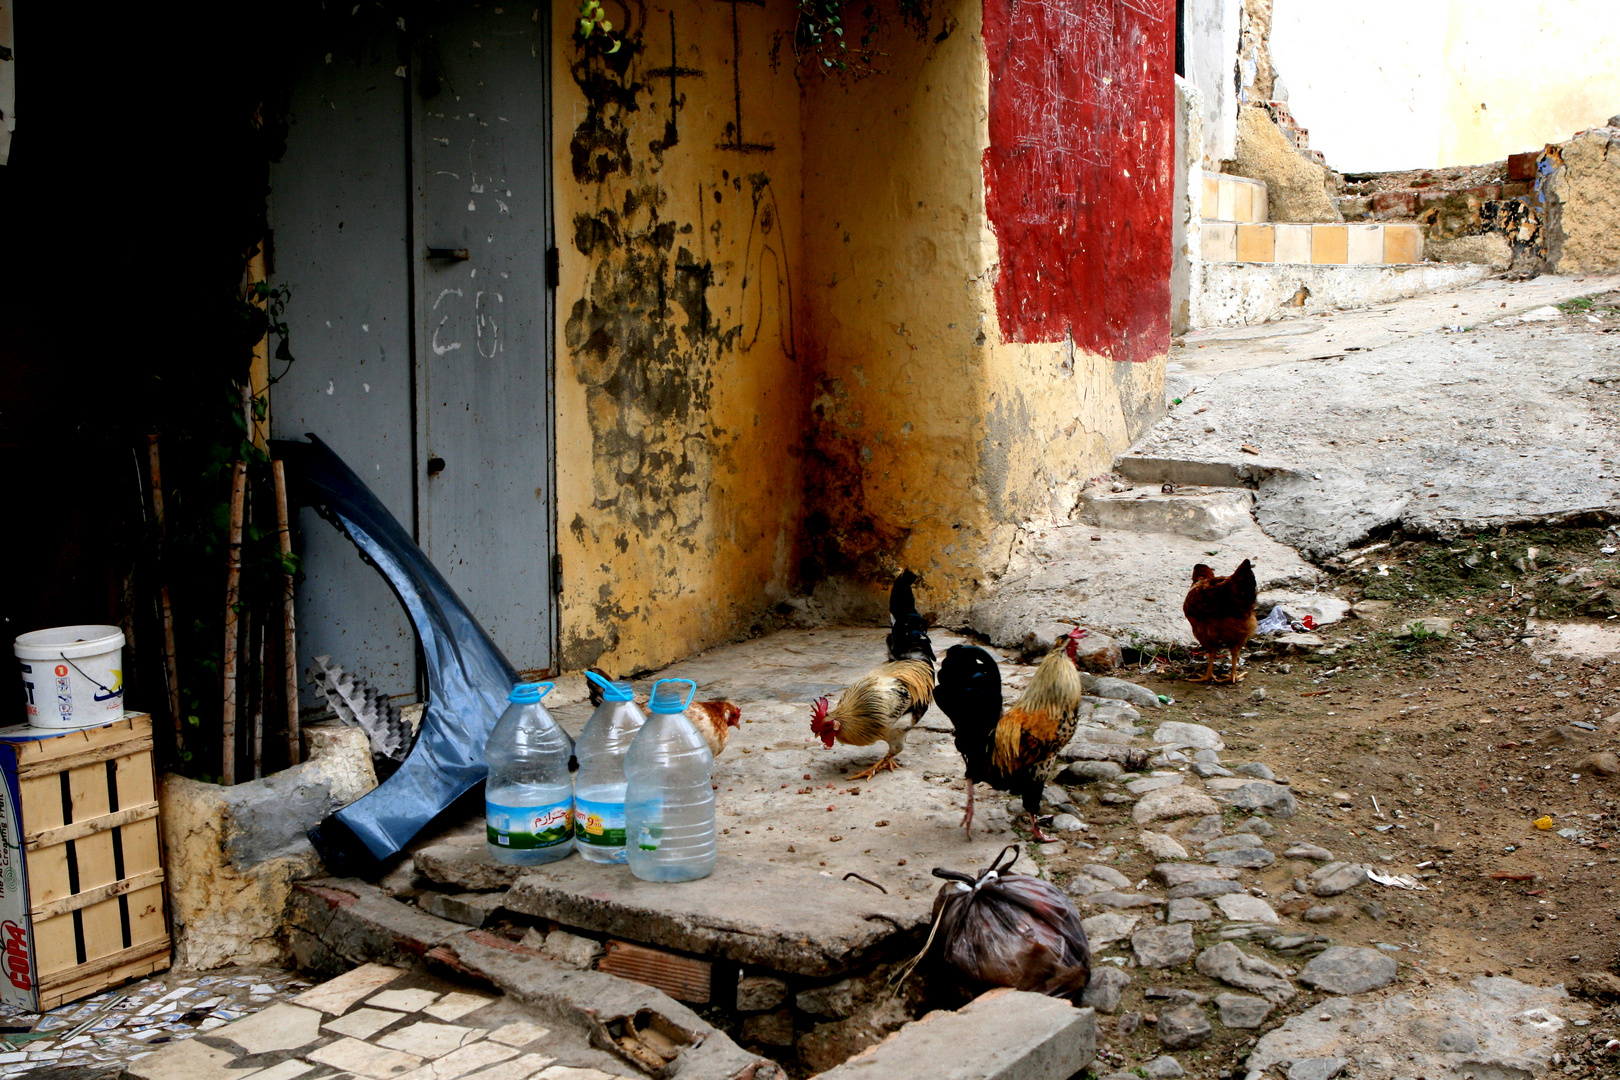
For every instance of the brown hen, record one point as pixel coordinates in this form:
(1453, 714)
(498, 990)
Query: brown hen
(1221, 612)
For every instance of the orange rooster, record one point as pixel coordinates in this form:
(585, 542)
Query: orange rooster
(1221, 612)
(887, 703)
(1015, 751)
(713, 719)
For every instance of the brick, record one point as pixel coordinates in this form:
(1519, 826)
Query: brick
(1003, 1035)
(1255, 243)
(1523, 166)
(1395, 204)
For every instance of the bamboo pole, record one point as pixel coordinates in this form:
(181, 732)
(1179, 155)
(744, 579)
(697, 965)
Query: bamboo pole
(289, 648)
(171, 674)
(258, 707)
(233, 590)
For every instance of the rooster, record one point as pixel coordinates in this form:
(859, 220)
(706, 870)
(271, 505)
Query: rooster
(713, 719)
(885, 704)
(1016, 751)
(1221, 612)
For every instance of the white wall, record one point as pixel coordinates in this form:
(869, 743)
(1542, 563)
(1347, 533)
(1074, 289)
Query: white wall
(1210, 40)
(1399, 84)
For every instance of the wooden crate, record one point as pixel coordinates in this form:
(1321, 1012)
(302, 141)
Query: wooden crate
(81, 871)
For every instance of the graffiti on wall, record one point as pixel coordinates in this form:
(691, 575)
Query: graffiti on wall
(1078, 173)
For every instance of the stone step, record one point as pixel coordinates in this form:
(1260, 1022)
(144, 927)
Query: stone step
(1201, 513)
(1364, 244)
(336, 924)
(1145, 469)
(1234, 198)
(1002, 1035)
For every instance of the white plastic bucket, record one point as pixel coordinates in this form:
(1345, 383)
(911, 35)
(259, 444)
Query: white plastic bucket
(73, 676)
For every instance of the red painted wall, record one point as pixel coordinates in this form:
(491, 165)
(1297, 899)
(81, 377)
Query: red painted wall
(1077, 176)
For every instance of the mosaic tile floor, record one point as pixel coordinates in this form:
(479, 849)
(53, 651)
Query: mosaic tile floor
(117, 1026)
(381, 1023)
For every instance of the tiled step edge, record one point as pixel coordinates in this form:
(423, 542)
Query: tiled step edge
(1382, 244)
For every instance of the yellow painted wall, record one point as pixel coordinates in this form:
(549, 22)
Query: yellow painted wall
(679, 430)
(934, 438)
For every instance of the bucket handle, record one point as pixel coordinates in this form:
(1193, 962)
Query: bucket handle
(99, 686)
(690, 693)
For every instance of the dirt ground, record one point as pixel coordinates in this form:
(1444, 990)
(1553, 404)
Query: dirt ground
(1435, 756)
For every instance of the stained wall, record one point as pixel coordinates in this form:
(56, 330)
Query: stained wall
(681, 388)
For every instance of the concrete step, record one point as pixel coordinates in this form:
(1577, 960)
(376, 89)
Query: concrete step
(1187, 472)
(1002, 1035)
(1201, 513)
(1364, 244)
(1244, 294)
(1234, 198)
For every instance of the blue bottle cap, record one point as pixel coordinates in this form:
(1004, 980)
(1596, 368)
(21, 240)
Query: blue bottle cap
(611, 691)
(528, 693)
(667, 698)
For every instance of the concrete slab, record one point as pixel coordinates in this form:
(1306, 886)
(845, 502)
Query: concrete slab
(1399, 425)
(791, 822)
(1316, 331)
(1003, 1035)
(1126, 583)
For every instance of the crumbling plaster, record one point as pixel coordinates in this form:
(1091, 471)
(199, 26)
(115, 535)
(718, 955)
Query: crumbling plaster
(680, 392)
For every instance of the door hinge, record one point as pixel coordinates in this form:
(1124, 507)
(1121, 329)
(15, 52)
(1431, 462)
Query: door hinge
(556, 574)
(553, 267)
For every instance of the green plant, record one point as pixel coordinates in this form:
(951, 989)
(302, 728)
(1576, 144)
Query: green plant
(1580, 303)
(593, 20)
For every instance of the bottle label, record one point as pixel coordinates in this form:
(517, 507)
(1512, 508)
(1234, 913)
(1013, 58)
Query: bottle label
(526, 828)
(600, 824)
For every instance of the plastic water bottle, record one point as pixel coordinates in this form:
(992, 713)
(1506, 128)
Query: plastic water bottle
(529, 796)
(669, 799)
(599, 786)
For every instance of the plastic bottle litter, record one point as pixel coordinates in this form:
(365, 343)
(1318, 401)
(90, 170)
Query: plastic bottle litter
(529, 796)
(669, 799)
(600, 785)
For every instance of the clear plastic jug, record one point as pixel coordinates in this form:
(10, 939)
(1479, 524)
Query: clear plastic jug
(669, 798)
(599, 786)
(529, 796)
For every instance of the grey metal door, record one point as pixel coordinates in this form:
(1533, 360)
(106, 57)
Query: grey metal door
(429, 373)
(485, 505)
(340, 220)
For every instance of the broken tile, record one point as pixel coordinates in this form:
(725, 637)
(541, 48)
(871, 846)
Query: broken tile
(363, 1023)
(280, 1027)
(519, 1033)
(355, 1056)
(290, 1069)
(187, 1060)
(454, 1006)
(430, 1040)
(458, 1063)
(336, 996)
(404, 1000)
(520, 1068)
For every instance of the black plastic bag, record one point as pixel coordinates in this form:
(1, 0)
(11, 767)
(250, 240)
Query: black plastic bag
(1012, 930)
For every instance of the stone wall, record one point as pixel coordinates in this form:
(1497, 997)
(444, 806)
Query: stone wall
(1580, 190)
